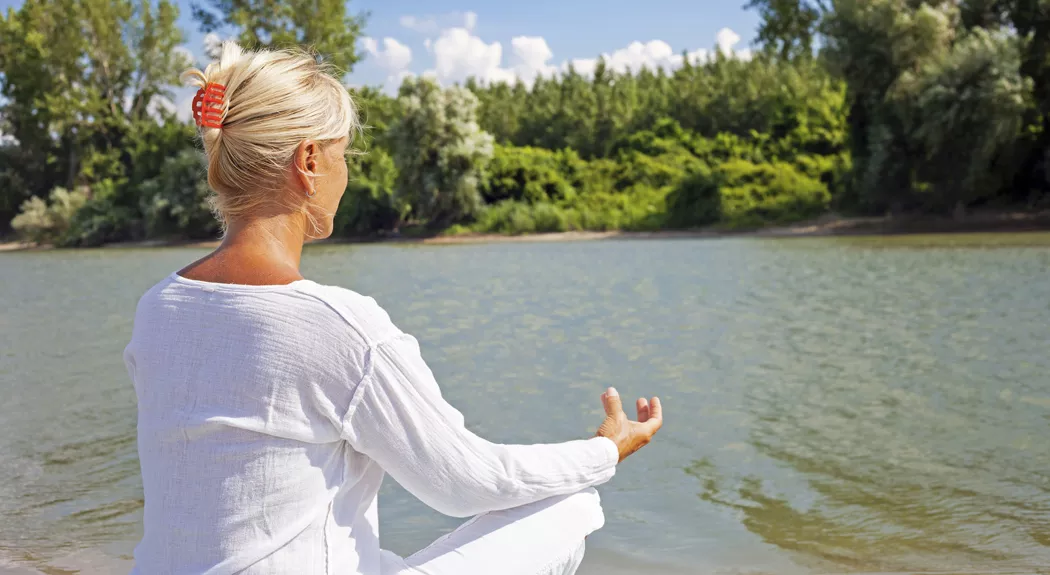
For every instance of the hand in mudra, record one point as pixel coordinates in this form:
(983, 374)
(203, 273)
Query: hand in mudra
(630, 436)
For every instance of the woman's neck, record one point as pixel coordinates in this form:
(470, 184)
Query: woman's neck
(278, 237)
(259, 251)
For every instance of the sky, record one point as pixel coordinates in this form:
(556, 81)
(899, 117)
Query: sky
(500, 40)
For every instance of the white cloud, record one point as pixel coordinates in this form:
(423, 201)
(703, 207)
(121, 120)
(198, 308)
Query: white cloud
(532, 56)
(393, 56)
(726, 39)
(212, 45)
(695, 57)
(652, 55)
(582, 66)
(184, 107)
(158, 105)
(657, 54)
(431, 25)
(393, 82)
(188, 59)
(459, 55)
(161, 104)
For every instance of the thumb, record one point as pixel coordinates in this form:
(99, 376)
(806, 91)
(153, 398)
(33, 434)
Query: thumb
(611, 401)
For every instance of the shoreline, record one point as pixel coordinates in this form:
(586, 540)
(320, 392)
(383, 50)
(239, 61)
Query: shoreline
(827, 226)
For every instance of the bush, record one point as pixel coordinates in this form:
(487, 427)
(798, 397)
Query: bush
(513, 218)
(739, 194)
(596, 177)
(776, 193)
(665, 136)
(724, 147)
(832, 171)
(177, 200)
(697, 201)
(103, 219)
(43, 222)
(655, 172)
(639, 209)
(530, 175)
(369, 204)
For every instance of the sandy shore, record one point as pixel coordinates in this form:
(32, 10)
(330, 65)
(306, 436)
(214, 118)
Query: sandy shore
(825, 226)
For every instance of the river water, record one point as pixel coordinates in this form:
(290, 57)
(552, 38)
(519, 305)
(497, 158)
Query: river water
(834, 405)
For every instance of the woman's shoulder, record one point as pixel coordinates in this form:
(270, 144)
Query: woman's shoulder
(360, 312)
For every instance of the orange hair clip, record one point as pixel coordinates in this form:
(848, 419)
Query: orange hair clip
(208, 105)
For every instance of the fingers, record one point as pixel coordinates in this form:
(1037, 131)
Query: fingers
(643, 409)
(655, 409)
(611, 401)
(656, 414)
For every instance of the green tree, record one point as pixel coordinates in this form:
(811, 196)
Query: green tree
(177, 202)
(789, 27)
(321, 25)
(941, 94)
(77, 78)
(969, 108)
(1031, 20)
(370, 204)
(377, 112)
(871, 43)
(440, 152)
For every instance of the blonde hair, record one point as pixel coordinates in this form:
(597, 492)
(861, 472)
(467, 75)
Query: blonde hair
(274, 100)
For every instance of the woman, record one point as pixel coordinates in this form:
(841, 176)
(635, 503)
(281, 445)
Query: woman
(270, 407)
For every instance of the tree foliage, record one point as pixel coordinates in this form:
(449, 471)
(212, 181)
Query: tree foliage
(177, 201)
(50, 221)
(789, 27)
(861, 106)
(80, 78)
(322, 25)
(941, 106)
(440, 152)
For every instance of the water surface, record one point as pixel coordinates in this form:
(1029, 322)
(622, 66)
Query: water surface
(838, 405)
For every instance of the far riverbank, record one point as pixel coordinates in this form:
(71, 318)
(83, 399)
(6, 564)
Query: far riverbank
(1005, 222)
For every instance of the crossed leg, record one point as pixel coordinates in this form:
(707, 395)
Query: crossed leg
(542, 538)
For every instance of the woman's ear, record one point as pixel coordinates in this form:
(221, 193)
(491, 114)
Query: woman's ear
(305, 161)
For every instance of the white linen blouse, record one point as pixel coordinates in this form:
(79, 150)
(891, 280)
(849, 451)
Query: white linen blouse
(268, 416)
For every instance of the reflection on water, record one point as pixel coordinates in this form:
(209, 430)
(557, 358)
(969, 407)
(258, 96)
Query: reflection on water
(837, 405)
(902, 403)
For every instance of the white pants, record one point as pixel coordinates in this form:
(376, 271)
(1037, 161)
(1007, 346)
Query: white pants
(542, 538)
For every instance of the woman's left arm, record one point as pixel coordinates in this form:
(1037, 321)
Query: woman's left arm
(399, 419)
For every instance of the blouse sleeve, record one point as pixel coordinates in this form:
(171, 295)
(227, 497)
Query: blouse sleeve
(399, 419)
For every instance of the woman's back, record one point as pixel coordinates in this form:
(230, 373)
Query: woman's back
(242, 391)
(270, 411)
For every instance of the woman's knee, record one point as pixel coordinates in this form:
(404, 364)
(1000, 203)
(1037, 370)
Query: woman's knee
(586, 506)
